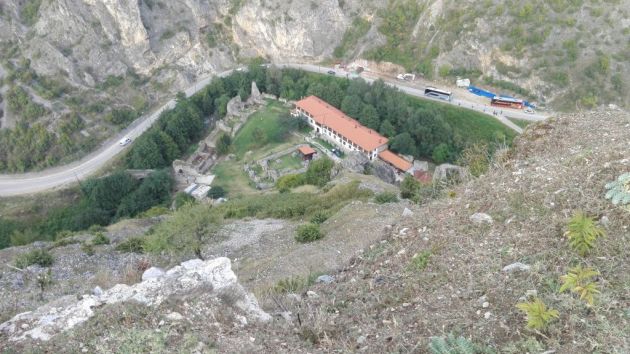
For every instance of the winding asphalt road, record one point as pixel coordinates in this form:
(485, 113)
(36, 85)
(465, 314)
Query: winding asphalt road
(61, 176)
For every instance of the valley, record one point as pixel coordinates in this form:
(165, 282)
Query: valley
(411, 176)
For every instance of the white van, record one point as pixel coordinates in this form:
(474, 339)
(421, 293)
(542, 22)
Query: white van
(124, 141)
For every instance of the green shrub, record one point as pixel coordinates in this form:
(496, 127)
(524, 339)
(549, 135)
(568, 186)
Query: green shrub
(223, 144)
(318, 172)
(320, 217)
(217, 192)
(420, 261)
(287, 182)
(40, 257)
(290, 285)
(308, 233)
(582, 233)
(538, 315)
(131, 245)
(182, 199)
(30, 12)
(65, 242)
(476, 158)
(100, 239)
(87, 248)
(619, 190)
(580, 281)
(386, 197)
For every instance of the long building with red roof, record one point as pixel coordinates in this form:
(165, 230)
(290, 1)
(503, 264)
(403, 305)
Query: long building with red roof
(346, 132)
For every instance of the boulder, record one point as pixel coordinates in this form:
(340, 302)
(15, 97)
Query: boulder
(446, 172)
(384, 171)
(326, 279)
(407, 213)
(152, 273)
(518, 266)
(355, 162)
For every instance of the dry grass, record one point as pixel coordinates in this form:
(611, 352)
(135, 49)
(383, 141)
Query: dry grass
(554, 170)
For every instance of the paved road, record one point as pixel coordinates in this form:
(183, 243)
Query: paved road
(501, 115)
(57, 177)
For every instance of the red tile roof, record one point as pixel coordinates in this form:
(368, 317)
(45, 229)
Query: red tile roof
(306, 150)
(395, 160)
(327, 115)
(423, 176)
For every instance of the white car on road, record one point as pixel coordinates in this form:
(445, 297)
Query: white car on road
(124, 141)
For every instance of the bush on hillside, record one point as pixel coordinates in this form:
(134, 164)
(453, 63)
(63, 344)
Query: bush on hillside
(320, 217)
(386, 197)
(41, 257)
(182, 199)
(308, 233)
(217, 192)
(131, 245)
(100, 239)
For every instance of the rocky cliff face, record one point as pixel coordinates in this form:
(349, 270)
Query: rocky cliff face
(539, 48)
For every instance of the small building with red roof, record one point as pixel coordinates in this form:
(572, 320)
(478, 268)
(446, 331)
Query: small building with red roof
(307, 152)
(395, 161)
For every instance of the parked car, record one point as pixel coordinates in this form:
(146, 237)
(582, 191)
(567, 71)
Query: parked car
(529, 111)
(124, 141)
(332, 72)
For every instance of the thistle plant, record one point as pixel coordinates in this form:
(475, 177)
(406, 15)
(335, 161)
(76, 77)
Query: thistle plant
(582, 233)
(580, 281)
(619, 191)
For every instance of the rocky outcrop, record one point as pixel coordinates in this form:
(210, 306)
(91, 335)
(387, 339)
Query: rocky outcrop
(302, 30)
(213, 276)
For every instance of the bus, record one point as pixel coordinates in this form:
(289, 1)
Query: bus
(506, 102)
(437, 93)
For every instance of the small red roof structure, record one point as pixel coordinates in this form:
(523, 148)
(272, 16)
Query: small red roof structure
(395, 160)
(306, 150)
(327, 115)
(423, 176)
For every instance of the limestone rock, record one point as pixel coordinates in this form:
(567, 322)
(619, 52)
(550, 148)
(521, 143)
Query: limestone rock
(407, 213)
(214, 277)
(518, 266)
(481, 218)
(326, 279)
(152, 273)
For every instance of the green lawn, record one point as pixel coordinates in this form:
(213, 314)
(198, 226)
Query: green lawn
(325, 143)
(287, 162)
(270, 138)
(262, 129)
(232, 178)
(472, 127)
(521, 122)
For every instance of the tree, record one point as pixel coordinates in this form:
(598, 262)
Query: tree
(221, 105)
(146, 154)
(387, 129)
(404, 144)
(318, 172)
(369, 117)
(185, 232)
(217, 192)
(154, 190)
(442, 153)
(409, 187)
(223, 144)
(352, 105)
